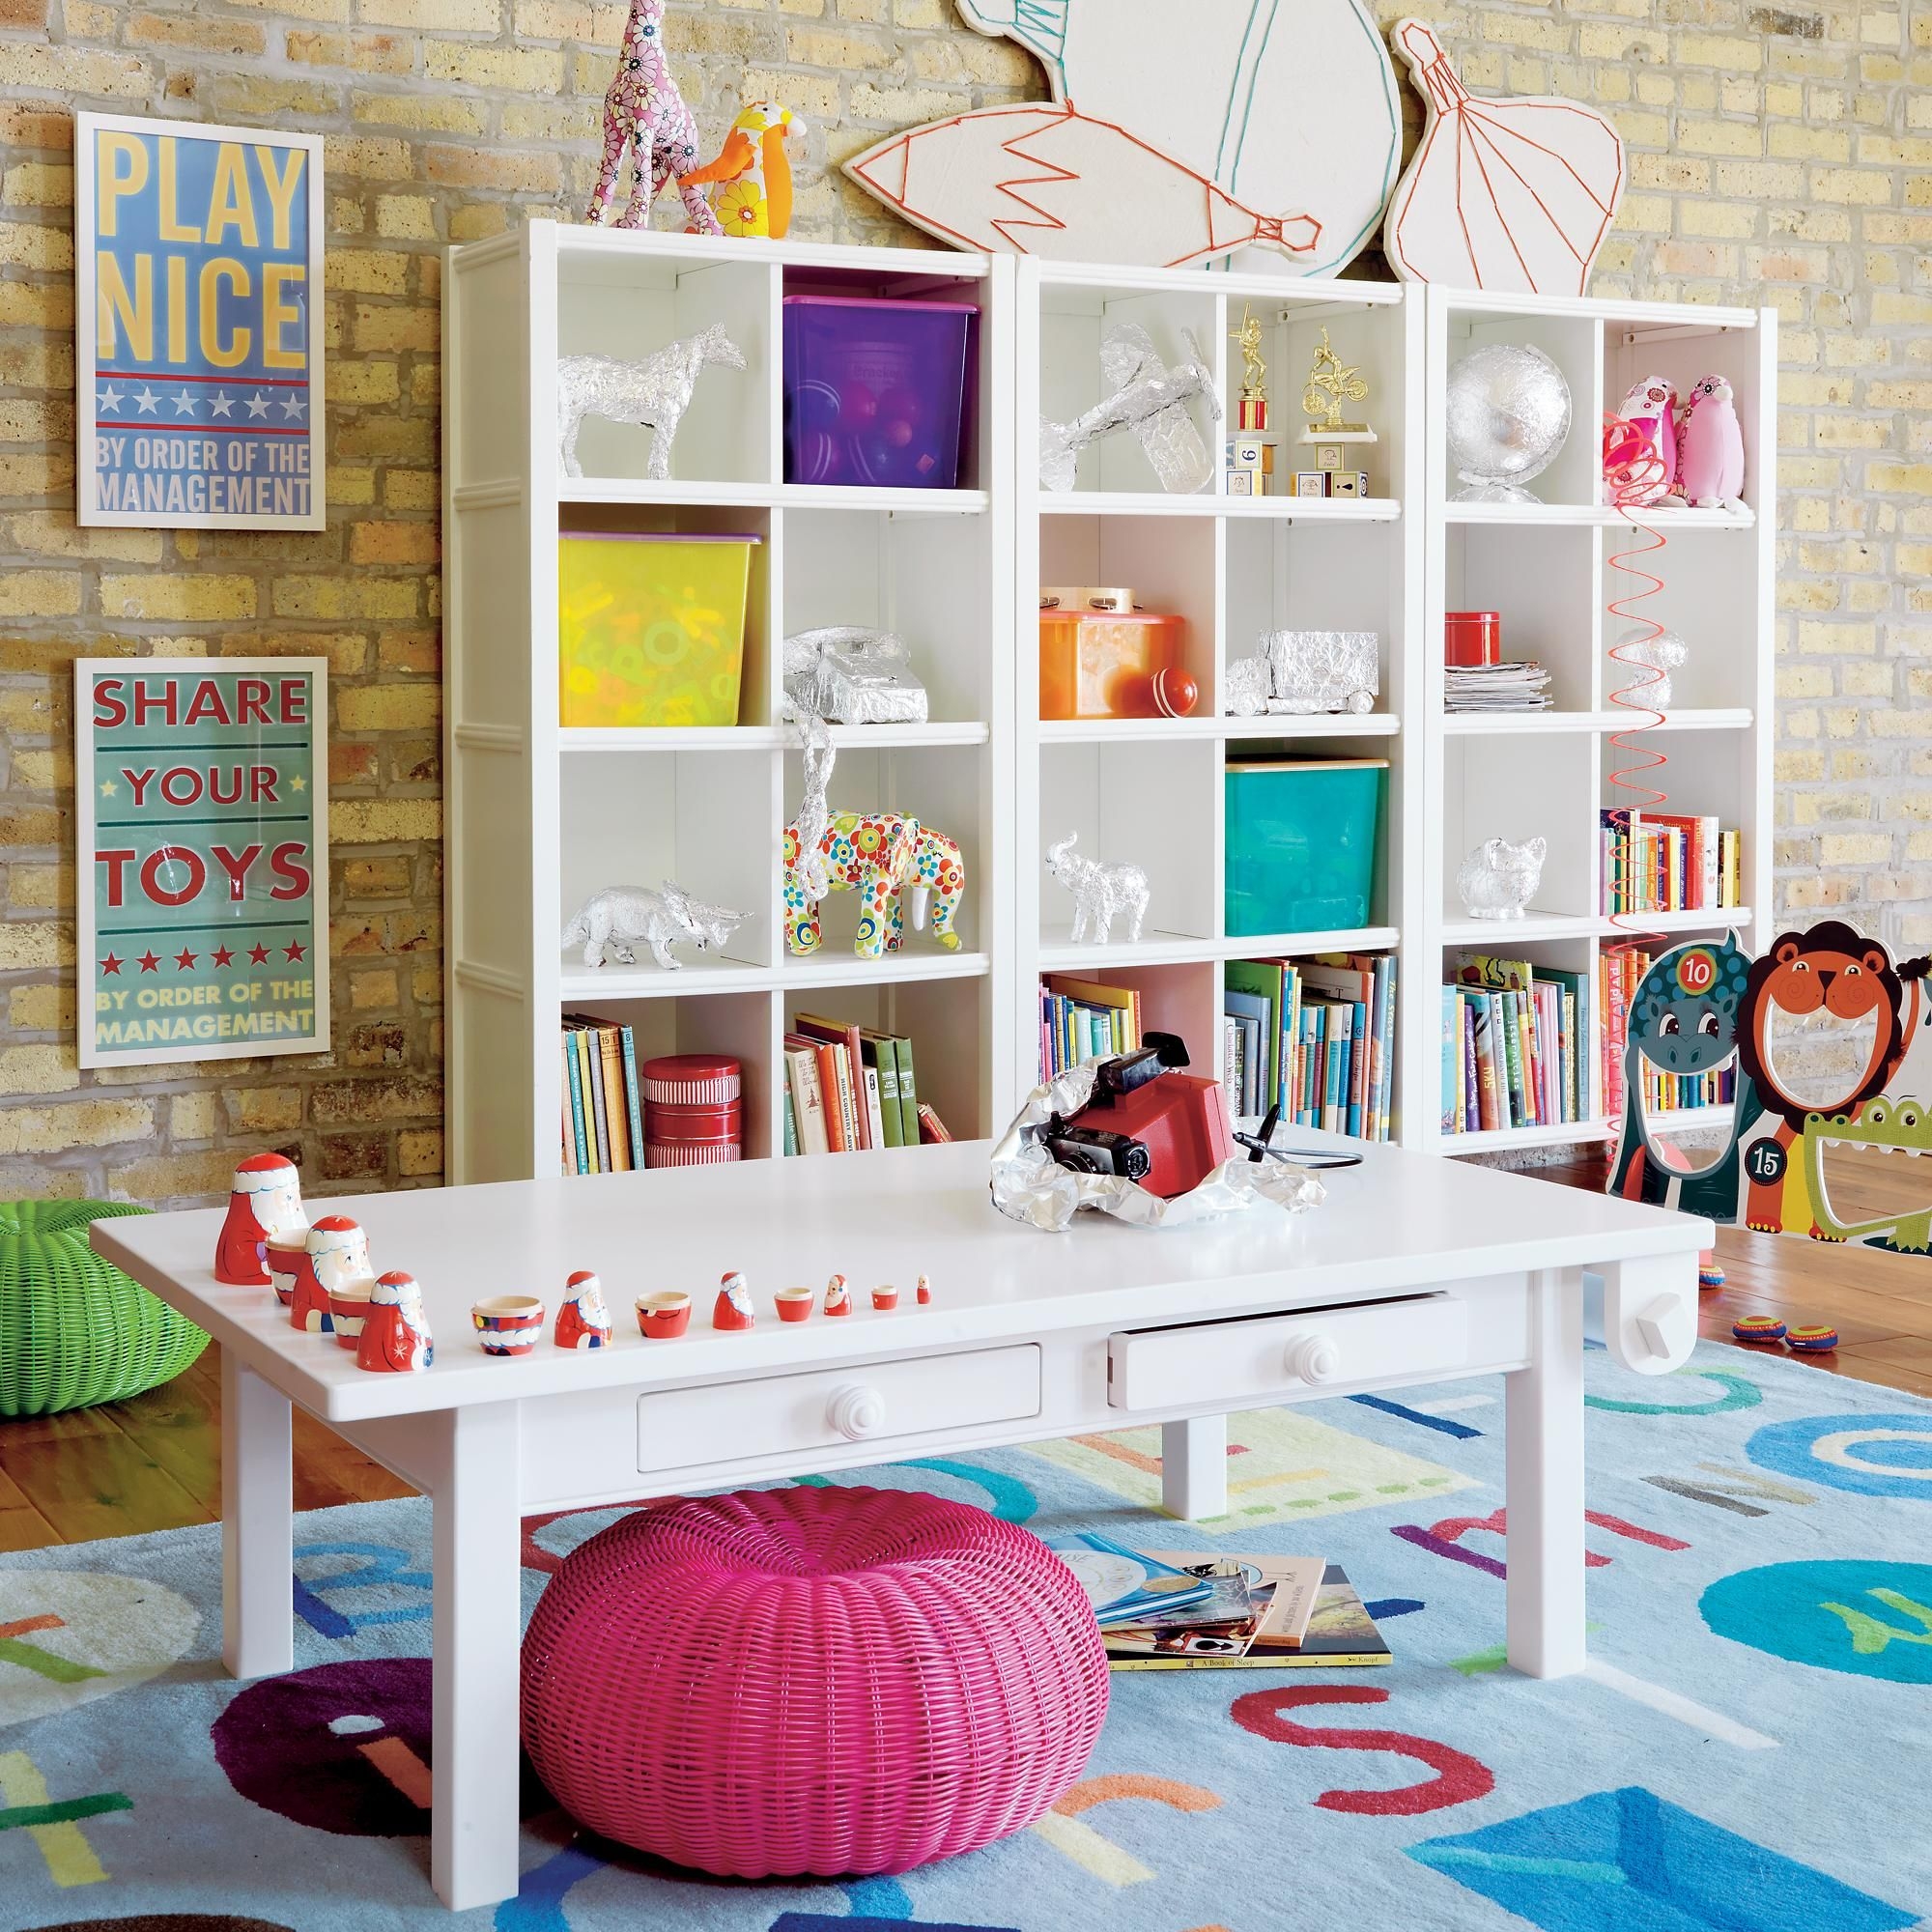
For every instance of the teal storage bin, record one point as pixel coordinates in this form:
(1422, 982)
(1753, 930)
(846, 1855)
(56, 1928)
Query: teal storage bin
(1304, 836)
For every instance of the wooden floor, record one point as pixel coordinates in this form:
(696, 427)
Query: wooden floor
(155, 1462)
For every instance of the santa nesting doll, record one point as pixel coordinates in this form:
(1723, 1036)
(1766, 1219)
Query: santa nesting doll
(583, 1322)
(732, 1310)
(264, 1202)
(838, 1296)
(395, 1337)
(338, 1252)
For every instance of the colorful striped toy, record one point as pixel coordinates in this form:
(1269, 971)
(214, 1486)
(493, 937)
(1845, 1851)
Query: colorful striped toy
(1758, 1328)
(1814, 1338)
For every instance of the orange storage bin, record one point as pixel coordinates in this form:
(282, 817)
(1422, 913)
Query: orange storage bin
(1102, 663)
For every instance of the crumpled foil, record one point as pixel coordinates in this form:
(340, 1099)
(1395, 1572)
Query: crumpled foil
(1247, 684)
(850, 675)
(1506, 412)
(653, 393)
(1322, 670)
(1146, 397)
(1030, 1186)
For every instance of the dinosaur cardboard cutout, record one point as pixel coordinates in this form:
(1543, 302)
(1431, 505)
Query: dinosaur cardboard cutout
(1832, 1044)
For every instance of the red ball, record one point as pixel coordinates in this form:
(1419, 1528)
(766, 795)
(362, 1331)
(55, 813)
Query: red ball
(858, 406)
(1174, 693)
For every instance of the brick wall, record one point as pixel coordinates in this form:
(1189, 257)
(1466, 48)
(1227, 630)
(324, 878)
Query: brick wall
(1775, 154)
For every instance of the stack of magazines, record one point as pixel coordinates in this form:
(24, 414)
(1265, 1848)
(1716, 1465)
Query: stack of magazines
(1496, 687)
(1163, 1610)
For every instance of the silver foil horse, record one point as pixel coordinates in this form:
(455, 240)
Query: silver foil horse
(653, 393)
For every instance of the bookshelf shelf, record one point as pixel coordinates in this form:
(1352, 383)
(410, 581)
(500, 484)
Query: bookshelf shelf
(1549, 774)
(1151, 791)
(541, 817)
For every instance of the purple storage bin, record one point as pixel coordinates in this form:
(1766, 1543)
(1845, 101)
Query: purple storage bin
(875, 392)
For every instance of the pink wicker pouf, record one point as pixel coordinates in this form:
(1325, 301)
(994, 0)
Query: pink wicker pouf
(816, 1680)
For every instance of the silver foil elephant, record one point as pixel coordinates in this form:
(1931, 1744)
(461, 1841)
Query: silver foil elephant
(1100, 891)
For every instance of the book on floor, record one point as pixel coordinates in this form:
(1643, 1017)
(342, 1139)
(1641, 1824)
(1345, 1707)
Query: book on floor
(1124, 1584)
(1339, 1632)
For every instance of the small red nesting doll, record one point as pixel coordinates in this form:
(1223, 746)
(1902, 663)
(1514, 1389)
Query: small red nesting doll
(264, 1202)
(395, 1337)
(584, 1321)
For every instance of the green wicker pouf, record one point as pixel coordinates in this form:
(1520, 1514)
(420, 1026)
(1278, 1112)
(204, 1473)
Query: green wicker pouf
(73, 1329)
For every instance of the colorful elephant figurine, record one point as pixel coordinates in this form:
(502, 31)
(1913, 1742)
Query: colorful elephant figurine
(878, 854)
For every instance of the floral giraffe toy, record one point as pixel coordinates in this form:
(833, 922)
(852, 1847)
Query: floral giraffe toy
(751, 178)
(643, 109)
(877, 855)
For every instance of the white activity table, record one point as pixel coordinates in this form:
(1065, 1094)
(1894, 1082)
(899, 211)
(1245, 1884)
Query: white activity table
(1416, 1269)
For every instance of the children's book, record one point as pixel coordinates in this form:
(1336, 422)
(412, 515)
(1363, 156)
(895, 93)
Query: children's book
(1339, 1632)
(1126, 1584)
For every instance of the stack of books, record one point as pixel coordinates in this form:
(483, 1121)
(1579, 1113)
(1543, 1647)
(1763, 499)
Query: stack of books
(849, 1088)
(1080, 1020)
(1315, 1037)
(1496, 687)
(1515, 1046)
(1168, 1609)
(1620, 971)
(1663, 862)
(603, 1113)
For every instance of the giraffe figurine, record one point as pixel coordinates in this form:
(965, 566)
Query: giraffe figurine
(752, 176)
(643, 109)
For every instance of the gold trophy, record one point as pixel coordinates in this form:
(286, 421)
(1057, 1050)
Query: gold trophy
(1253, 411)
(1333, 384)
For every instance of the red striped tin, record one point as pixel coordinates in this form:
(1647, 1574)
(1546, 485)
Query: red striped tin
(692, 1080)
(695, 1123)
(692, 1153)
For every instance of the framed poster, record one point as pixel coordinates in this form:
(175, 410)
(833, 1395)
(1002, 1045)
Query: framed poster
(197, 351)
(201, 801)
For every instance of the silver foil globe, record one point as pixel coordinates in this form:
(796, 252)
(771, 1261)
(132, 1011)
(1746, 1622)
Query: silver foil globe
(1507, 414)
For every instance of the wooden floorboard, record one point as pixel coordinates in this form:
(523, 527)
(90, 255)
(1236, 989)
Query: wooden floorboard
(153, 1462)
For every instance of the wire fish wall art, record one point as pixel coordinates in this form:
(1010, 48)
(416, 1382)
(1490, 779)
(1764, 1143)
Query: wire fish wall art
(1513, 194)
(1045, 180)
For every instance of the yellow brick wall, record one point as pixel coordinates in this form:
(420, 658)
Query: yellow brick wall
(1779, 155)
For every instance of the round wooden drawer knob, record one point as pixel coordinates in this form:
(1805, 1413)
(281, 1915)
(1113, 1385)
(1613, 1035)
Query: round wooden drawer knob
(1314, 1358)
(856, 1412)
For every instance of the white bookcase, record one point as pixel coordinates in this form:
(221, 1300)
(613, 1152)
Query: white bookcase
(1151, 791)
(1548, 569)
(538, 818)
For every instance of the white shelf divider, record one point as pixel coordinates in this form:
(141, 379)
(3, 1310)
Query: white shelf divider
(538, 816)
(1552, 587)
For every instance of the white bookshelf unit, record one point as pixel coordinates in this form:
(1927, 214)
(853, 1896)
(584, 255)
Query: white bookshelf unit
(1548, 569)
(1151, 791)
(540, 817)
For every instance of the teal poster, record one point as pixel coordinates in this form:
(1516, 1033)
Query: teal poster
(198, 263)
(202, 791)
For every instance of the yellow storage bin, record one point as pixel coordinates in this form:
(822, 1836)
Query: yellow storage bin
(651, 628)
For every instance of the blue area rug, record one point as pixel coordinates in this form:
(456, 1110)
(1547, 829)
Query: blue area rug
(1751, 1751)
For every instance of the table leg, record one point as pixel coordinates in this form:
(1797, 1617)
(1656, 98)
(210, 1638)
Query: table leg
(257, 1525)
(476, 1567)
(1544, 1417)
(1194, 1467)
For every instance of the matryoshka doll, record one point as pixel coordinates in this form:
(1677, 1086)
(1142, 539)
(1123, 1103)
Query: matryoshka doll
(395, 1337)
(732, 1309)
(264, 1201)
(838, 1296)
(584, 1321)
(338, 1252)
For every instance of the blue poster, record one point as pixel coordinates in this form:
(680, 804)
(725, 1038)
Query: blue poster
(199, 363)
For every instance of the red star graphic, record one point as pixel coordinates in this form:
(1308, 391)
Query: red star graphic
(110, 964)
(259, 953)
(184, 958)
(148, 963)
(294, 950)
(221, 955)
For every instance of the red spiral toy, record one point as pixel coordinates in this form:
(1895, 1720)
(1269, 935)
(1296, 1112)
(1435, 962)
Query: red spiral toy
(1634, 471)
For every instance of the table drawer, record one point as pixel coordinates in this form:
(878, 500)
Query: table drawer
(1286, 1354)
(887, 1402)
